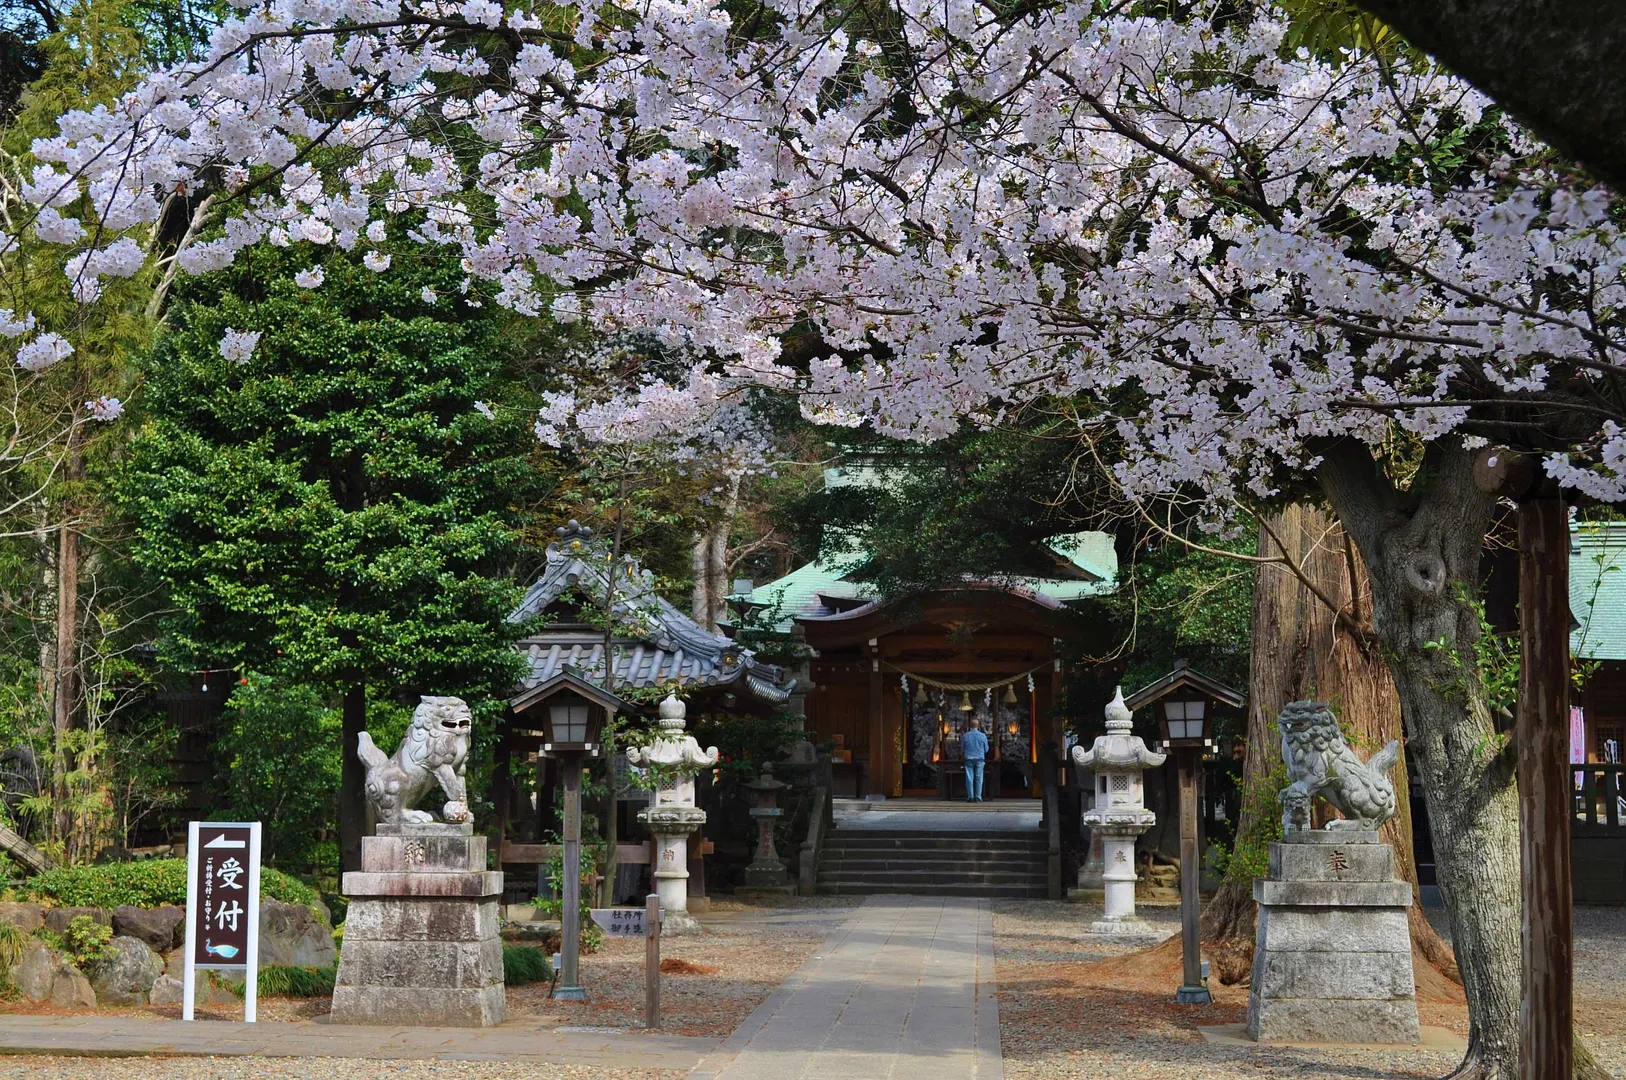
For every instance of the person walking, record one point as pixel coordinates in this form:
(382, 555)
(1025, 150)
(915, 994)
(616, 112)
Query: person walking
(973, 751)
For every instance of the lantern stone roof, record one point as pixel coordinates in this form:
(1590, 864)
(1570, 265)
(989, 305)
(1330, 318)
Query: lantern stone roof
(1118, 748)
(653, 643)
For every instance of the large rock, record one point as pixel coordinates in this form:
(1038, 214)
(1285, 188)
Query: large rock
(43, 975)
(169, 987)
(291, 935)
(25, 917)
(57, 920)
(126, 976)
(162, 928)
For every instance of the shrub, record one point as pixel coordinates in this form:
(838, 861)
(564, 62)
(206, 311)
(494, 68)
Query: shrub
(85, 942)
(523, 964)
(297, 982)
(12, 943)
(144, 884)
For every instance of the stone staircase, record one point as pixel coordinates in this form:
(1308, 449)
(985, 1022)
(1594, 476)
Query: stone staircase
(992, 863)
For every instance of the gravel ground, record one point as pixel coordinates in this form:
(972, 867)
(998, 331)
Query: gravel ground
(82, 1068)
(1069, 1008)
(746, 952)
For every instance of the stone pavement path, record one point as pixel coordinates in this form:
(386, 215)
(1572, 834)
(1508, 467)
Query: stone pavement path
(515, 1041)
(904, 991)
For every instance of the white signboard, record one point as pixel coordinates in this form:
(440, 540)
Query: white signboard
(223, 907)
(620, 921)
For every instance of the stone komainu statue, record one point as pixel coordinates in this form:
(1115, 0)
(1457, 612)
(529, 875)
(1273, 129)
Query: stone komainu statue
(435, 748)
(1320, 763)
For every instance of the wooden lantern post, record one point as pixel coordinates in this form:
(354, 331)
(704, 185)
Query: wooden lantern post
(1185, 734)
(1187, 700)
(573, 711)
(1547, 1009)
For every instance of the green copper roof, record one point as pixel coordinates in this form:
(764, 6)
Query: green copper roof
(798, 592)
(1598, 590)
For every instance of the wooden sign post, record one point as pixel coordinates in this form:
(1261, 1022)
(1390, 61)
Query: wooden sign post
(652, 961)
(223, 907)
(644, 922)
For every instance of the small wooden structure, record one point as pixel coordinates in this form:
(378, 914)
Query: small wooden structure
(652, 644)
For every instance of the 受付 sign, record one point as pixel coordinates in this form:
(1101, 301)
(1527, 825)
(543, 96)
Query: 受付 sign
(223, 905)
(620, 921)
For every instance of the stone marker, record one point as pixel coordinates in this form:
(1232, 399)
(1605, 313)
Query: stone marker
(421, 944)
(1332, 956)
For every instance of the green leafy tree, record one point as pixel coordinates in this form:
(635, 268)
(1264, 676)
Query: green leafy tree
(334, 502)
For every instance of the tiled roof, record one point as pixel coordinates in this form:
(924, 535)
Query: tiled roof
(1598, 590)
(654, 643)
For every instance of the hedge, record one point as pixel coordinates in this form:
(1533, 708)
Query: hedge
(145, 884)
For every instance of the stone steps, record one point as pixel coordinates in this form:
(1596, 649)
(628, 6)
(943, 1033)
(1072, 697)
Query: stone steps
(990, 863)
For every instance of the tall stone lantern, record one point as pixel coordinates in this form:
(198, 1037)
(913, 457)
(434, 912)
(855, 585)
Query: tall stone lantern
(675, 758)
(1119, 816)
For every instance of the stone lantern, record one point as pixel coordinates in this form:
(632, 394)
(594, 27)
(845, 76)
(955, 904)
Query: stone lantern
(766, 874)
(674, 815)
(1118, 759)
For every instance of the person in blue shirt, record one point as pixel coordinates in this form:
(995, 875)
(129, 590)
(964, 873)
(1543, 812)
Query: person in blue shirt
(974, 749)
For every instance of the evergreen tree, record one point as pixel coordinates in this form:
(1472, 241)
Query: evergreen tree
(333, 501)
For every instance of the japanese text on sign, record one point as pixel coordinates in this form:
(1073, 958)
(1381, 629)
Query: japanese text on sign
(220, 937)
(620, 921)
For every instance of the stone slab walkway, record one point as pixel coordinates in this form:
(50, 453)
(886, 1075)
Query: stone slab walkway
(514, 1041)
(904, 991)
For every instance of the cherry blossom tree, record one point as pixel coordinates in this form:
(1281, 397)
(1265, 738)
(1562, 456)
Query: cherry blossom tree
(1271, 269)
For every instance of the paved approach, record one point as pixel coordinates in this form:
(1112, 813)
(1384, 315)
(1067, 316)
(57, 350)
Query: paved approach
(904, 991)
(515, 1041)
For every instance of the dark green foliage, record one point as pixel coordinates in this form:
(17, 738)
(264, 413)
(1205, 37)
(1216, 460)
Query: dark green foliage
(302, 982)
(523, 964)
(745, 743)
(334, 508)
(280, 747)
(143, 884)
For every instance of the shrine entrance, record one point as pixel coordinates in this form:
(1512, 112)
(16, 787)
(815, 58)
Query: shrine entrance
(897, 684)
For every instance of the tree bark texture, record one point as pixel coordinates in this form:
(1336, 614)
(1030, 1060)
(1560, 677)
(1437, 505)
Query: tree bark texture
(65, 688)
(1303, 649)
(1553, 64)
(1422, 546)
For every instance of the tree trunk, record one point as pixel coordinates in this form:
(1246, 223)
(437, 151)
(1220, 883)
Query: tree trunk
(1423, 547)
(353, 779)
(65, 684)
(717, 557)
(1302, 648)
(700, 567)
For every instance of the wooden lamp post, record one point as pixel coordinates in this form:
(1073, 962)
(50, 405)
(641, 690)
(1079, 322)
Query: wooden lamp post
(1185, 731)
(573, 712)
(1188, 699)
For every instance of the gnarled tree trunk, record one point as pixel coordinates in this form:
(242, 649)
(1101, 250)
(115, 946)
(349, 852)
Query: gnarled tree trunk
(1422, 546)
(1311, 639)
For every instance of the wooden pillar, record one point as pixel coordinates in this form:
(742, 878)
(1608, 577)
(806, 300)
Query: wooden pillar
(570, 988)
(501, 796)
(879, 746)
(1547, 1045)
(1192, 991)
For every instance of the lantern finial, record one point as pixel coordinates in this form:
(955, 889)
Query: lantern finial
(1118, 714)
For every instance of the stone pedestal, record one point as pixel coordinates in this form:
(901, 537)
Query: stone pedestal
(1118, 879)
(672, 826)
(1332, 960)
(420, 943)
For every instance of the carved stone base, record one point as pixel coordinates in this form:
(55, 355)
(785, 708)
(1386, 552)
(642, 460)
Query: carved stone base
(1129, 926)
(421, 944)
(1332, 958)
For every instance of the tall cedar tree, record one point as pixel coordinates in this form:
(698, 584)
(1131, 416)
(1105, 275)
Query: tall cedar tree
(335, 507)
